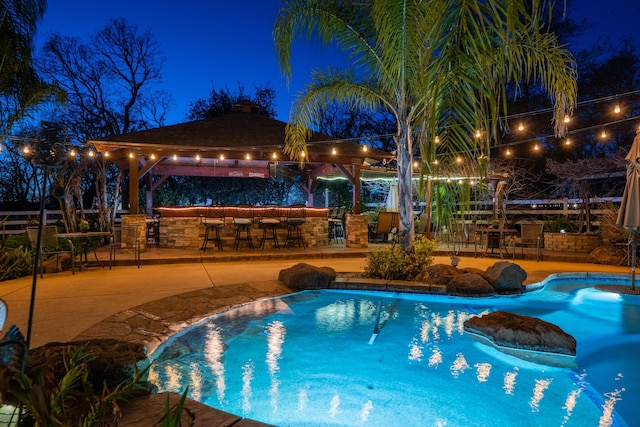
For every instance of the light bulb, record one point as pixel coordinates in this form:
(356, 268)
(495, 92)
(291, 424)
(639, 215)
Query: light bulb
(521, 127)
(616, 109)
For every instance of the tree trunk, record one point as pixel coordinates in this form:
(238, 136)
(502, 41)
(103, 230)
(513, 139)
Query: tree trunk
(405, 191)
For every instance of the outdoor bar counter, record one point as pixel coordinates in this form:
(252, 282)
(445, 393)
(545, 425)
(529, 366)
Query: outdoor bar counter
(182, 227)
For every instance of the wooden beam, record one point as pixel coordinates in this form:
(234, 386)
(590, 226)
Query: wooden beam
(217, 171)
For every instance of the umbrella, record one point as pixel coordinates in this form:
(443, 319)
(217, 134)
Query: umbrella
(629, 215)
(392, 197)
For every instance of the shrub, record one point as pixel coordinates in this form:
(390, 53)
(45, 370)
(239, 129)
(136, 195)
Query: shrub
(394, 263)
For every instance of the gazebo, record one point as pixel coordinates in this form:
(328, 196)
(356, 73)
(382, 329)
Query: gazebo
(241, 144)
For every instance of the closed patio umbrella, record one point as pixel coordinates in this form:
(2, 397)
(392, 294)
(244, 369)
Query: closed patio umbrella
(392, 198)
(629, 215)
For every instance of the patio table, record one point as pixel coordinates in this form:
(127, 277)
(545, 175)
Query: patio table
(496, 240)
(83, 238)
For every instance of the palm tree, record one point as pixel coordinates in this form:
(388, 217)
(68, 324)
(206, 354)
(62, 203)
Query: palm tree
(21, 89)
(440, 67)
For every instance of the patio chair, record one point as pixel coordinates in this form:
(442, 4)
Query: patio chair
(50, 243)
(387, 221)
(213, 222)
(130, 242)
(531, 235)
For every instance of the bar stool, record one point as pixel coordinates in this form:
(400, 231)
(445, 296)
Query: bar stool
(296, 218)
(269, 221)
(153, 230)
(336, 229)
(243, 220)
(212, 222)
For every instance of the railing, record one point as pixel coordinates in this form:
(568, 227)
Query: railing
(17, 221)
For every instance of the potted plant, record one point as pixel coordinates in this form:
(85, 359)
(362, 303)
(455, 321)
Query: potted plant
(83, 225)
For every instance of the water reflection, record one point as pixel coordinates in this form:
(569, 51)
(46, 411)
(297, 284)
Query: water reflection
(607, 414)
(510, 381)
(195, 381)
(275, 338)
(538, 394)
(247, 376)
(213, 354)
(459, 365)
(482, 371)
(366, 411)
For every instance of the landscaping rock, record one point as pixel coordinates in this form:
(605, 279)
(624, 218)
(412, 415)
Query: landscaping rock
(506, 277)
(304, 276)
(470, 285)
(109, 360)
(440, 274)
(56, 264)
(522, 332)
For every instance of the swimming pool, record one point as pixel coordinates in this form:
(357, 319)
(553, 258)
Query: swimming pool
(311, 359)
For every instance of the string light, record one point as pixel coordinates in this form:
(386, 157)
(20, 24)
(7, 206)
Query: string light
(106, 154)
(521, 127)
(221, 156)
(248, 156)
(131, 155)
(274, 155)
(72, 153)
(603, 135)
(175, 157)
(333, 151)
(567, 141)
(197, 157)
(91, 153)
(616, 109)
(508, 152)
(536, 147)
(567, 119)
(365, 148)
(478, 134)
(153, 156)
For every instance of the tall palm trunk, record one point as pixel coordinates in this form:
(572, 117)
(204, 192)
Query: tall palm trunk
(405, 188)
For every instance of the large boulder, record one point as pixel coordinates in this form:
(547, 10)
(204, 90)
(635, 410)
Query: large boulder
(440, 274)
(506, 277)
(470, 285)
(305, 276)
(515, 331)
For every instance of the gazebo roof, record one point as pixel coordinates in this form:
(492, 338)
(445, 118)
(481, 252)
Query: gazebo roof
(233, 136)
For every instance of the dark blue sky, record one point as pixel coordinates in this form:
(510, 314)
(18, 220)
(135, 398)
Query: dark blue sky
(218, 43)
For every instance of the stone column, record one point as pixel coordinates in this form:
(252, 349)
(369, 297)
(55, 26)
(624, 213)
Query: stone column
(357, 231)
(134, 230)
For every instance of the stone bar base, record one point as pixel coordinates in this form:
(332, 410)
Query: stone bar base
(188, 233)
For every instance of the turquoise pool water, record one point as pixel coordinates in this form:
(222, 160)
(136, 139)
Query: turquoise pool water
(310, 359)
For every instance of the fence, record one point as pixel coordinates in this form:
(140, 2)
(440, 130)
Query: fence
(17, 221)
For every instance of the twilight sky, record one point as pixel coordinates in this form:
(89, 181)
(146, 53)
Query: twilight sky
(218, 43)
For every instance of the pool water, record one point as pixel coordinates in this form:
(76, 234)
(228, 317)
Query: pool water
(312, 359)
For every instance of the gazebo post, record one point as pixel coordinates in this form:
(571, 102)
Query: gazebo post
(134, 184)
